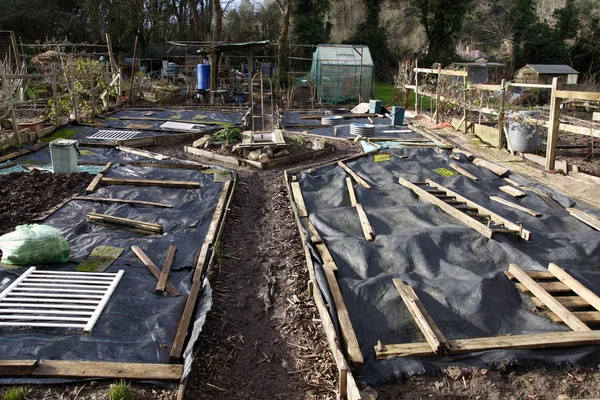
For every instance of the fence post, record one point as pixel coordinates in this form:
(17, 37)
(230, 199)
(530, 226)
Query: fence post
(416, 87)
(11, 109)
(437, 95)
(55, 95)
(74, 86)
(465, 114)
(555, 103)
(500, 143)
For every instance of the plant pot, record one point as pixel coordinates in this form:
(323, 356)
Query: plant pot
(524, 135)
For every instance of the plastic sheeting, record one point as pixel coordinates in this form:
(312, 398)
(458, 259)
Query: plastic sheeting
(455, 271)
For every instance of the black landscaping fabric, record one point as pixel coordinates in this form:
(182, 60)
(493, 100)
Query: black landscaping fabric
(137, 324)
(456, 272)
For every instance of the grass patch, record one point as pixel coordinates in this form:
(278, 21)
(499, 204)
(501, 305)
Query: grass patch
(385, 92)
(444, 172)
(17, 393)
(199, 117)
(60, 134)
(120, 391)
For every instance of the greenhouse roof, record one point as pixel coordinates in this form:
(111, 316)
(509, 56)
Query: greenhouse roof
(345, 54)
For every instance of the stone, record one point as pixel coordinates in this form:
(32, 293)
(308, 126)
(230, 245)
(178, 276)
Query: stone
(281, 153)
(202, 142)
(254, 155)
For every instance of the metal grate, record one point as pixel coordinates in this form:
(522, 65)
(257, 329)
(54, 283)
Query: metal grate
(113, 135)
(57, 299)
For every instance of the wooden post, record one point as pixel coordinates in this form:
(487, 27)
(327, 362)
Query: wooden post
(343, 383)
(13, 41)
(500, 142)
(8, 94)
(74, 93)
(90, 76)
(553, 126)
(437, 96)
(465, 114)
(416, 87)
(55, 95)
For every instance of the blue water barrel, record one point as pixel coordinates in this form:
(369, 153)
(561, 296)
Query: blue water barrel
(203, 77)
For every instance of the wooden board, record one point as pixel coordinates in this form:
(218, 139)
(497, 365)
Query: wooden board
(213, 156)
(570, 320)
(513, 191)
(353, 349)
(351, 191)
(150, 182)
(514, 205)
(94, 183)
(164, 272)
(171, 289)
(462, 346)
(429, 329)
(588, 317)
(463, 171)
(354, 175)
(586, 218)
(364, 222)
(575, 285)
(495, 168)
(314, 235)
(123, 201)
(567, 301)
(299, 199)
(184, 322)
(113, 370)
(118, 222)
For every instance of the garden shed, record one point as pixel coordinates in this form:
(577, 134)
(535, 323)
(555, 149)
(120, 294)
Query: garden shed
(342, 73)
(543, 74)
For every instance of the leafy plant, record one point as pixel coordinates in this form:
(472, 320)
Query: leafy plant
(16, 393)
(231, 135)
(120, 391)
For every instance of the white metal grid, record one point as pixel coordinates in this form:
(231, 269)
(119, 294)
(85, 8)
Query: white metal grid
(113, 135)
(57, 299)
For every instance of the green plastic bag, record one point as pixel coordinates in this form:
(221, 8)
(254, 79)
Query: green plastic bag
(34, 245)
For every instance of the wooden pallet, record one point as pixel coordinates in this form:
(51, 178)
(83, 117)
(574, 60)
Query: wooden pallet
(579, 301)
(470, 213)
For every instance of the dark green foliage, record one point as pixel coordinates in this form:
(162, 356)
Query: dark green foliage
(309, 25)
(442, 21)
(567, 21)
(230, 135)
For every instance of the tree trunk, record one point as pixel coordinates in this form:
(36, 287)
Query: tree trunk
(286, 10)
(218, 13)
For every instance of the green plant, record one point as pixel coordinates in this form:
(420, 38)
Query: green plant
(16, 393)
(120, 391)
(60, 134)
(231, 135)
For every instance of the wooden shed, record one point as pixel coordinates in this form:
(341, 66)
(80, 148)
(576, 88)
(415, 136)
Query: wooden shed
(543, 74)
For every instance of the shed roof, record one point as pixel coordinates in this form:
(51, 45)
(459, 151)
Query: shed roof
(552, 69)
(345, 54)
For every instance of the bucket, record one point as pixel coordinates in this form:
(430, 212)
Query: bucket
(375, 106)
(64, 153)
(524, 135)
(397, 116)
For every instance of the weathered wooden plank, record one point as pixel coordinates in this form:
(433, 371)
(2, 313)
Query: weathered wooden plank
(529, 341)
(109, 219)
(495, 168)
(212, 156)
(299, 199)
(364, 222)
(569, 94)
(94, 183)
(429, 329)
(115, 370)
(463, 171)
(586, 218)
(314, 235)
(588, 317)
(550, 287)
(164, 272)
(576, 286)
(514, 205)
(567, 301)
(110, 200)
(354, 175)
(171, 289)
(150, 182)
(17, 367)
(353, 349)
(513, 191)
(184, 322)
(351, 191)
(570, 320)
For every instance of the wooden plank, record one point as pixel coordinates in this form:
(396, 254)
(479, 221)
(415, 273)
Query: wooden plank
(115, 370)
(463, 171)
(462, 346)
(213, 156)
(171, 289)
(568, 94)
(549, 200)
(510, 181)
(550, 287)
(536, 275)
(17, 367)
(567, 301)
(570, 320)
(429, 329)
(516, 206)
(351, 191)
(354, 175)
(184, 323)
(554, 122)
(441, 72)
(352, 348)
(299, 200)
(495, 168)
(364, 222)
(151, 182)
(94, 183)
(111, 200)
(93, 217)
(326, 256)
(575, 285)
(513, 191)
(314, 235)
(523, 233)
(164, 272)
(142, 153)
(464, 218)
(588, 317)
(586, 218)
